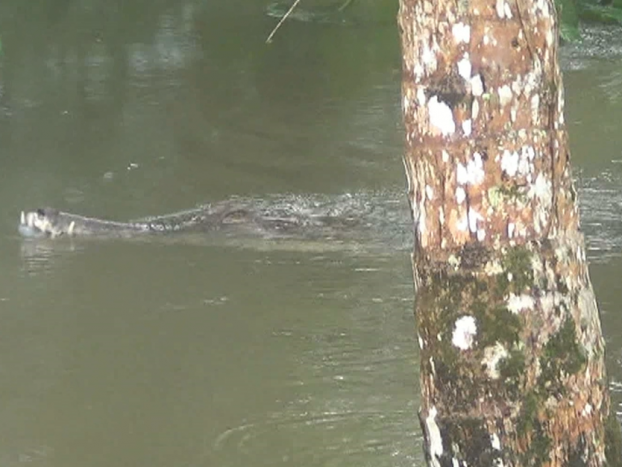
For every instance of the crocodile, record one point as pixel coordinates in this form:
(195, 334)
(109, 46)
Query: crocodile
(223, 217)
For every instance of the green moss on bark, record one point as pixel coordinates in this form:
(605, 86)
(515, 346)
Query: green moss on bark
(518, 271)
(562, 356)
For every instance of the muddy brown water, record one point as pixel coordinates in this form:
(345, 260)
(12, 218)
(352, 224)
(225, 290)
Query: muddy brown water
(202, 354)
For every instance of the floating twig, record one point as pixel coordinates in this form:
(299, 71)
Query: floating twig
(345, 5)
(269, 39)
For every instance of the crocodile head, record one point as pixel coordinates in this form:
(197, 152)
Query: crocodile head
(45, 222)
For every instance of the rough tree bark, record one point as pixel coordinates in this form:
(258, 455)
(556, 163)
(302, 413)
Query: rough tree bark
(512, 355)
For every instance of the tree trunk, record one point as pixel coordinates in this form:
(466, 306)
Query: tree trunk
(512, 355)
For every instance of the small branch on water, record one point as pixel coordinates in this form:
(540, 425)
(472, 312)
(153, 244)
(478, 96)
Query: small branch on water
(345, 5)
(269, 39)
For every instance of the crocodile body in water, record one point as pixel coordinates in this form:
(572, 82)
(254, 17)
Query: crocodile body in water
(49, 222)
(227, 217)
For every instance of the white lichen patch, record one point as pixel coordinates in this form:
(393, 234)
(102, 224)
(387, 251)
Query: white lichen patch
(463, 224)
(509, 162)
(464, 333)
(535, 107)
(428, 58)
(466, 127)
(475, 167)
(503, 9)
(499, 8)
(544, 8)
(518, 303)
(587, 410)
(474, 218)
(581, 257)
(505, 95)
(461, 32)
(495, 442)
(560, 105)
(462, 176)
(464, 68)
(441, 117)
(445, 156)
(474, 110)
(518, 162)
(541, 190)
(429, 192)
(549, 37)
(481, 235)
(405, 104)
(435, 441)
(493, 355)
(528, 152)
(477, 86)
(511, 229)
(460, 195)
(507, 11)
(473, 173)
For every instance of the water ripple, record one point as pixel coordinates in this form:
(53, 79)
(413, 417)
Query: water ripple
(330, 438)
(600, 202)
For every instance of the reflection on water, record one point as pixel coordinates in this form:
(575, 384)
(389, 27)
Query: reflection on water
(38, 257)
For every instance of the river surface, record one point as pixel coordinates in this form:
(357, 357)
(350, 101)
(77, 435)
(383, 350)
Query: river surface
(249, 353)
